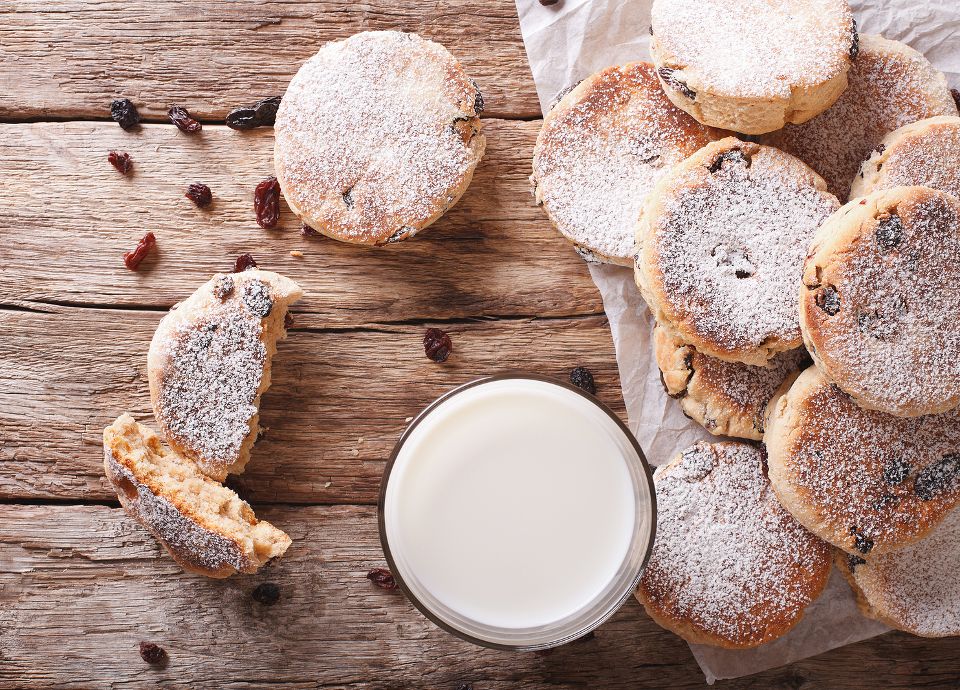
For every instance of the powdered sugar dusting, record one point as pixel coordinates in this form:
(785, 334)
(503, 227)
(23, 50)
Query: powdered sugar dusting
(743, 388)
(894, 341)
(729, 244)
(376, 134)
(209, 370)
(929, 157)
(755, 48)
(182, 536)
(890, 85)
(728, 561)
(917, 588)
(601, 151)
(856, 472)
(150, 497)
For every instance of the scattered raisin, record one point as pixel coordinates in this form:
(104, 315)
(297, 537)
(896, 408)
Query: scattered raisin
(152, 654)
(889, 232)
(547, 3)
(266, 203)
(937, 478)
(828, 299)
(956, 96)
(307, 231)
(244, 262)
(266, 593)
(854, 561)
(733, 155)
(181, 118)
(121, 161)
(260, 114)
(288, 320)
(223, 288)
(669, 77)
(199, 194)
(854, 41)
(437, 345)
(896, 471)
(583, 379)
(382, 578)
(124, 113)
(133, 259)
(861, 543)
(256, 297)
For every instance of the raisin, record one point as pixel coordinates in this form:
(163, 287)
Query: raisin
(399, 235)
(583, 379)
(348, 198)
(478, 102)
(133, 259)
(266, 203)
(889, 232)
(288, 320)
(121, 161)
(563, 92)
(733, 155)
(437, 345)
(260, 114)
(896, 471)
(885, 500)
(223, 288)
(828, 299)
(938, 477)
(256, 297)
(861, 543)
(464, 686)
(956, 96)
(382, 578)
(244, 262)
(307, 231)
(854, 561)
(266, 593)
(124, 113)
(854, 41)
(181, 118)
(547, 3)
(199, 194)
(152, 654)
(669, 77)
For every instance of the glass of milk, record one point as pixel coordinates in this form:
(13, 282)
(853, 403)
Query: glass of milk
(517, 512)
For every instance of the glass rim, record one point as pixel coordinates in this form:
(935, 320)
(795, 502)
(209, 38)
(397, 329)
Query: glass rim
(647, 475)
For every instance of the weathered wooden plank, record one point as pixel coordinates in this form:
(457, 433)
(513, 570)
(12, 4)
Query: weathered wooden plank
(69, 217)
(70, 58)
(76, 600)
(64, 376)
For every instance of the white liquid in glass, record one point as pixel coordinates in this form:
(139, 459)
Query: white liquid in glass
(511, 503)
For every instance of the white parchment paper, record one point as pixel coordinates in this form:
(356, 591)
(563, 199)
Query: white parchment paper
(567, 42)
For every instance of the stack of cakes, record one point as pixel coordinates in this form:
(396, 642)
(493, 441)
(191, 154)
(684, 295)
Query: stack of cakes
(826, 336)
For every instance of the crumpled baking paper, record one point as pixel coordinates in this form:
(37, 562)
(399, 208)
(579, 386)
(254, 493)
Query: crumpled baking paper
(569, 41)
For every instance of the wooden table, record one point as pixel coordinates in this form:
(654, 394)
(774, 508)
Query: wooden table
(80, 583)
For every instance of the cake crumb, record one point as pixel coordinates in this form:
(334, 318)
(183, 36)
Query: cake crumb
(296, 253)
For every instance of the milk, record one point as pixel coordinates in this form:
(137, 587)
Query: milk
(513, 505)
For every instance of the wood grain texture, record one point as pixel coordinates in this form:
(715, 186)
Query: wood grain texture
(75, 602)
(70, 58)
(69, 217)
(67, 374)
